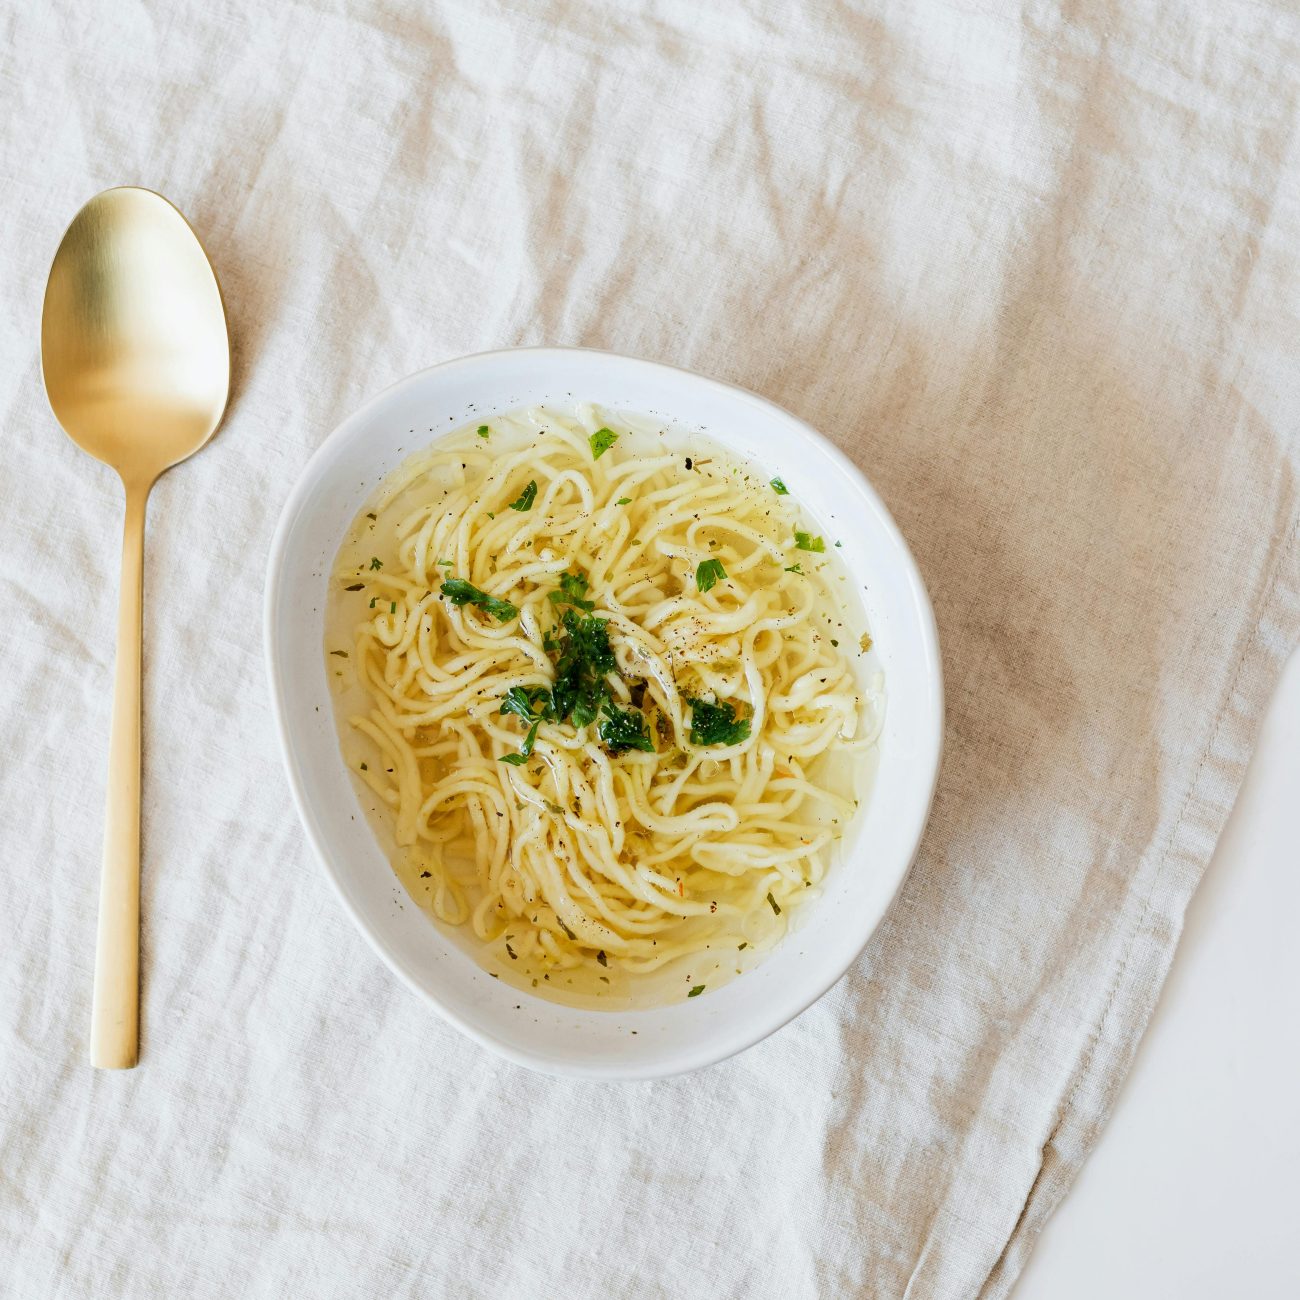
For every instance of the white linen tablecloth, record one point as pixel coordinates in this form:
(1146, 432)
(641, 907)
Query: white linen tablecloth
(1036, 267)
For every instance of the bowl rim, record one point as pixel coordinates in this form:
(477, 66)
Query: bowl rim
(930, 738)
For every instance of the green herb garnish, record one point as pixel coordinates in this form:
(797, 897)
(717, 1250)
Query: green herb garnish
(365, 767)
(376, 562)
(566, 929)
(780, 488)
(807, 542)
(794, 568)
(773, 904)
(370, 514)
(342, 654)
(600, 957)
(356, 586)
(696, 991)
(446, 564)
(601, 441)
(392, 607)
(483, 431)
(623, 501)
(514, 956)
(527, 702)
(460, 592)
(573, 589)
(716, 723)
(707, 574)
(624, 729)
(524, 501)
(525, 750)
(584, 661)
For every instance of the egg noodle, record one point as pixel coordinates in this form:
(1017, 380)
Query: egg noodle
(600, 679)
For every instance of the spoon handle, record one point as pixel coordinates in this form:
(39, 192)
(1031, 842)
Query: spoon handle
(114, 1018)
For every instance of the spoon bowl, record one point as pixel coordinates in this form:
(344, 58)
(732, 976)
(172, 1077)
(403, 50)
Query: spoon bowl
(134, 348)
(136, 360)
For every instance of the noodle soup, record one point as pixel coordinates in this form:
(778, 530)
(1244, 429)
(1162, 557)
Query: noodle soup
(609, 697)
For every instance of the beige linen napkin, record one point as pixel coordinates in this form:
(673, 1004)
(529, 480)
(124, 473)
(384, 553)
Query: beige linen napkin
(1036, 268)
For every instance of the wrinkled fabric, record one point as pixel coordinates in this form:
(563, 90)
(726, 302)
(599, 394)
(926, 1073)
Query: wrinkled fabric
(1035, 268)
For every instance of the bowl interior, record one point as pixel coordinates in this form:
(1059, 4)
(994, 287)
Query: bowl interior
(878, 847)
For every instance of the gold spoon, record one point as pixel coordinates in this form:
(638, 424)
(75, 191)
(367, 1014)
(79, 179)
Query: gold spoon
(136, 361)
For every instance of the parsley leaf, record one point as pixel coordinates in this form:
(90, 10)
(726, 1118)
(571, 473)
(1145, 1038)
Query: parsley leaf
(807, 542)
(707, 574)
(623, 501)
(696, 991)
(780, 488)
(775, 906)
(528, 702)
(526, 498)
(601, 441)
(716, 723)
(794, 568)
(573, 589)
(460, 592)
(584, 661)
(483, 431)
(623, 729)
(376, 562)
(525, 750)
(356, 586)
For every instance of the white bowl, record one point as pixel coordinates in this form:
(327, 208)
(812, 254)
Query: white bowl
(879, 844)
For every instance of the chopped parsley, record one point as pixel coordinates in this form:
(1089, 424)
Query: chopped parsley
(376, 562)
(483, 431)
(773, 904)
(446, 564)
(716, 723)
(585, 659)
(460, 592)
(696, 991)
(624, 729)
(623, 501)
(342, 654)
(707, 574)
(601, 441)
(807, 542)
(565, 928)
(780, 488)
(525, 499)
(525, 750)
(527, 702)
(356, 586)
(600, 957)
(573, 591)
(794, 568)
